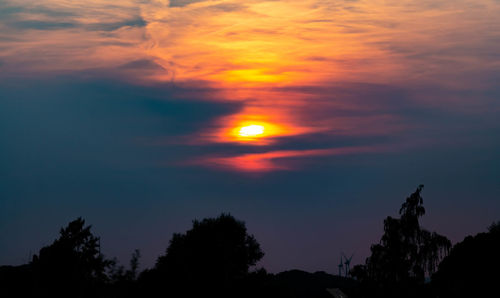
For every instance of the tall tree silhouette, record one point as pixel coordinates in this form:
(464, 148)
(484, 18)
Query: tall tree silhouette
(213, 256)
(406, 252)
(72, 266)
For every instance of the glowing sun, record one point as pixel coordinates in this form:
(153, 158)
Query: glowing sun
(251, 130)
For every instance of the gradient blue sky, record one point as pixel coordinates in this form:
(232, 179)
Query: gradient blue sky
(121, 112)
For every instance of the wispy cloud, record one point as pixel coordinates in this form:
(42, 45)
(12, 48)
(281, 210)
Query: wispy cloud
(275, 160)
(182, 3)
(305, 71)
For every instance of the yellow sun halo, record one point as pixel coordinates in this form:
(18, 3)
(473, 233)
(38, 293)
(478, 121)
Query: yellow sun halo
(251, 130)
(254, 132)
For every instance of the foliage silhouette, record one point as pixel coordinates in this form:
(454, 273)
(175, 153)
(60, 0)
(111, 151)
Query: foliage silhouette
(472, 267)
(214, 258)
(210, 258)
(72, 266)
(405, 255)
(122, 282)
(119, 274)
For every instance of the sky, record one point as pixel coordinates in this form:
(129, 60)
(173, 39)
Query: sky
(309, 120)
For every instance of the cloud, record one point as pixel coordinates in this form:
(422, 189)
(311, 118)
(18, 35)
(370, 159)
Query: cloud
(56, 25)
(35, 17)
(225, 7)
(339, 75)
(142, 64)
(41, 25)
(10, 10)
(53, 16)
(105, 122)
(274, 160)
(112, 26)
(182, 3)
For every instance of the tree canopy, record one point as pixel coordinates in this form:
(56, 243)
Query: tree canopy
(471, 268)
(213, 255)
(72, 266)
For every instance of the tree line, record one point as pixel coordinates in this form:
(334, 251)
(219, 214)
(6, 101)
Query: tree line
(217, 258)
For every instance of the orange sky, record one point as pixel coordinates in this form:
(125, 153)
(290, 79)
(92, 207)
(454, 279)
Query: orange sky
(253, 43)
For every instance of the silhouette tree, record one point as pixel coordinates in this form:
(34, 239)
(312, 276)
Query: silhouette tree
(210, 258)
(72, 266)
(134, 265)
(123, 283)
(406, 252)
(118, 274)
(472, 267)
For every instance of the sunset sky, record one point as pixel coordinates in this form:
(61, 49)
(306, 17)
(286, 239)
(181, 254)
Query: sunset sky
(310, 120)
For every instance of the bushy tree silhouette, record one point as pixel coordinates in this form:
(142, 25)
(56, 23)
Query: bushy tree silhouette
(472, 267)
(210, 258)
(72, 266)
(405, 254)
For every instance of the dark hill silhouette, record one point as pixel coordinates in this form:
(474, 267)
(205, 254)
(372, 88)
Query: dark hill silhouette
(16, 281)
(297, 283)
